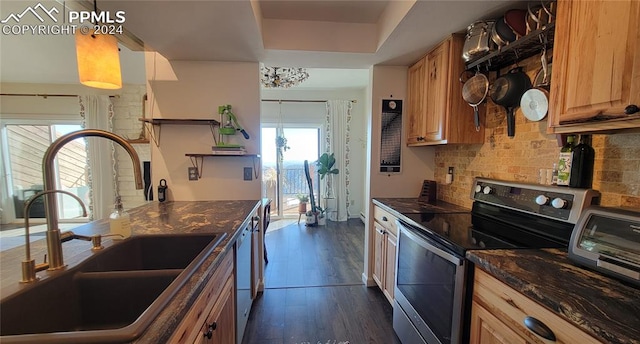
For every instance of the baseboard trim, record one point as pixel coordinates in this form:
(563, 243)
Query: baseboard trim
(369, 282)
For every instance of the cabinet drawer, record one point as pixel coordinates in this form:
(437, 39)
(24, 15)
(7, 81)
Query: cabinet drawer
(512, 308)
(189, 329)
(385, 219)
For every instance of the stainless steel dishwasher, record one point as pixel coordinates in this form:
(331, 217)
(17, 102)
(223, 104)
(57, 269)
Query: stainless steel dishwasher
(243, 281)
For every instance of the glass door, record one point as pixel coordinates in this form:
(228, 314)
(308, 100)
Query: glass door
(284, 151)
(25, 147)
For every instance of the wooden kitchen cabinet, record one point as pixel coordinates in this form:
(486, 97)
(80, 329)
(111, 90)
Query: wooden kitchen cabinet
(212, 317)
(498, 313)
(437, 113)
(217, 329)
(384, 251)
(596, 66)
(415, 102)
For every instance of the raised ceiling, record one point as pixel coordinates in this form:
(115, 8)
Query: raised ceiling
(304, 33)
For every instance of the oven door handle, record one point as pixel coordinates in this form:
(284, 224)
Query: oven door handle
(424, 242)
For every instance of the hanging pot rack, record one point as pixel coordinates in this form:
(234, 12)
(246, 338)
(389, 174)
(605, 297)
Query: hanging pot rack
(518, 50)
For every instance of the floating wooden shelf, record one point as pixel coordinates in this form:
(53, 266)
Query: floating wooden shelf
(197, 160)
(158, 122)
(138, 141)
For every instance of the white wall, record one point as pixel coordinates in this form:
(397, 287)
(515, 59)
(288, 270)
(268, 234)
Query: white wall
(314, 113)
(194, 90)
(127, 109)
(417, 163)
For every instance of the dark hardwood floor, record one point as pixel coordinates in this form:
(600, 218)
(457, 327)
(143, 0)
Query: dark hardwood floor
(314, 291)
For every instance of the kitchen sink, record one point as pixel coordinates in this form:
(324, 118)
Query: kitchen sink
(109, 298)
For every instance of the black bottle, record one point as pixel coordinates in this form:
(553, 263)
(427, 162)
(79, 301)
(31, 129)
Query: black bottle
(582, 164)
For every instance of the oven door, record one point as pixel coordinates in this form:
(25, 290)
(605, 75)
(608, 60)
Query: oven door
(429, 289)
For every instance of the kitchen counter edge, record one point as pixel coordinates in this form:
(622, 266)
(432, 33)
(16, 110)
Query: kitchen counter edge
(603, 307)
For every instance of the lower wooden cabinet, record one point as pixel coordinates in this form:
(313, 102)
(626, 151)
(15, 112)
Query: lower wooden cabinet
(499, 314)
(212, 317)
(384, 251)
(221, 320)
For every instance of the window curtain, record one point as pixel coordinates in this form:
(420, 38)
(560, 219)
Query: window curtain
(97, 113)
(337, 139)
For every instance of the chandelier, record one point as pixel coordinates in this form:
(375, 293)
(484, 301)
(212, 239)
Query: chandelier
(282, 77)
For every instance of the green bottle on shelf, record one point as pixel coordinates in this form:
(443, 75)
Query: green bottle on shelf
(564, 162)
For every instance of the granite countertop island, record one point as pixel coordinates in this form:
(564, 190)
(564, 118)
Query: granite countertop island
(603, 307)
(153, 218)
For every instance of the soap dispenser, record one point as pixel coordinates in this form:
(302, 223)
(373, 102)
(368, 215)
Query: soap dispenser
(119, 220)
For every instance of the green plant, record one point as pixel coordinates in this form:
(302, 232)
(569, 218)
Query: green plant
(325, 164)
(302, 198)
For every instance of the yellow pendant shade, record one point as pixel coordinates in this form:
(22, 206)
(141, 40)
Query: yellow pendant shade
(98, 60)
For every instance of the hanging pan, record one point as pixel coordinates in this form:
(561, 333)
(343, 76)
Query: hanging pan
(474, 92)
(535, 101)
(507, 91)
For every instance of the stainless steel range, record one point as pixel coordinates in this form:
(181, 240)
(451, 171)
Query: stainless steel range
(433, 280)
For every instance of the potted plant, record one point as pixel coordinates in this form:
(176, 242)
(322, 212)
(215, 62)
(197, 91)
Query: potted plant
(281, 145)
(311, 219)
(326, 164)
(322, 220)
(302, 206)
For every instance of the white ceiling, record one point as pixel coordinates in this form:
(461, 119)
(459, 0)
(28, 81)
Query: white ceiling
(343, 34)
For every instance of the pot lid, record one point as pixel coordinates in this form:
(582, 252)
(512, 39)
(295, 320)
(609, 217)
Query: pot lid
(534, 104)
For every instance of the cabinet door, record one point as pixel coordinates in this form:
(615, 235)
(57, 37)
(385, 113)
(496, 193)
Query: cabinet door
(487, 329)
(596, 65)
(511, 307)
(390, 266)
(436, 92)
(415, 109)
(378, 254)
(220, 325)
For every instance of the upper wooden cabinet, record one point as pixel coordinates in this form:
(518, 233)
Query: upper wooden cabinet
(596, 66)
(436, 111)
(415, 102)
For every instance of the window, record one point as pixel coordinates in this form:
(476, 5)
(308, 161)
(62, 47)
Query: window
(24, 145)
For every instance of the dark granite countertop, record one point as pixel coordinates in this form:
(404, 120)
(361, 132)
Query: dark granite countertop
(152, 218)
(400, 206)
(603, 307)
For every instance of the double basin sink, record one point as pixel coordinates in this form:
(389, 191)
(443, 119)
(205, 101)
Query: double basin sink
(111, 297)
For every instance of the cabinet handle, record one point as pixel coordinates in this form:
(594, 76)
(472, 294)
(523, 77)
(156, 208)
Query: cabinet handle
(210, 330)
(538, 327)
(384, 218)
(420, 138)
(631, 109)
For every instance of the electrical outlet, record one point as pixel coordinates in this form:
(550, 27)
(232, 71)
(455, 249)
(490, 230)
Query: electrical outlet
(193, 173)
(248, 171)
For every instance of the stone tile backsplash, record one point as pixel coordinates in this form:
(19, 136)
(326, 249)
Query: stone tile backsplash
(616, 170)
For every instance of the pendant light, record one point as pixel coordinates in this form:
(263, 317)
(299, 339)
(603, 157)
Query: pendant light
(98, 59)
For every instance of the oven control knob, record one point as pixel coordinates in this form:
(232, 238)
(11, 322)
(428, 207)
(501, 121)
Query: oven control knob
(478, 188)
(487, 190)
(559, 203)
(542, 200)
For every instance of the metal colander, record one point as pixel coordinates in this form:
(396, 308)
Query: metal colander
(475, 90)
